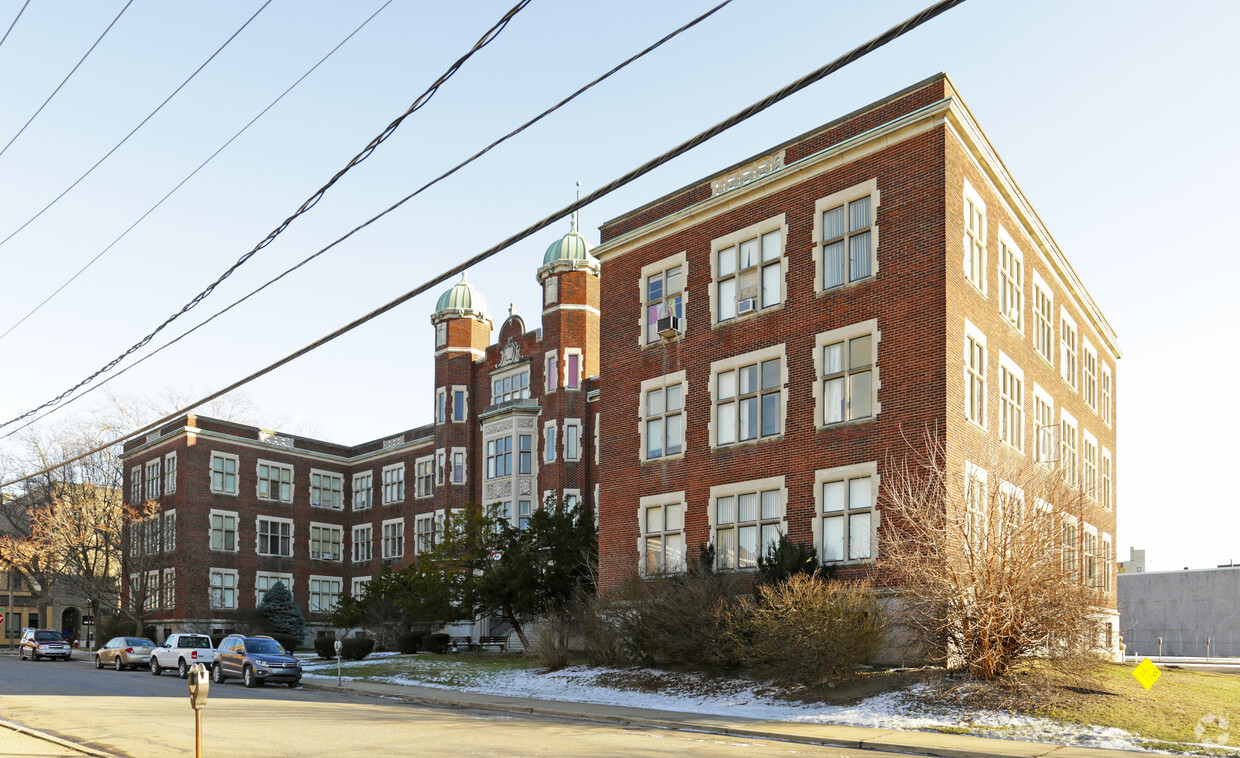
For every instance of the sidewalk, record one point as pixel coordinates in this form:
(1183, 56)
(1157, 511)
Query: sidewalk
(18, 740)
(923, 743)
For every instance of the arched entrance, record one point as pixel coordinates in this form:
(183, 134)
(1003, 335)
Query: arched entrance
(71, 624)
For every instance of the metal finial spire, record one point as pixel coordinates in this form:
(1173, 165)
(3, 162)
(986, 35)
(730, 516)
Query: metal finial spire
(575, 212)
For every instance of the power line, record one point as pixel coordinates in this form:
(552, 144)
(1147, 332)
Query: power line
(783, 93)
(141, 124)
(70, 74)
(193, 173)
(10, 29)
(422, 100)
(392, 208)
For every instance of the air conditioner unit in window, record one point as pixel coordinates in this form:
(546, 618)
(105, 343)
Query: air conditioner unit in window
(669, 327)
(748, 305)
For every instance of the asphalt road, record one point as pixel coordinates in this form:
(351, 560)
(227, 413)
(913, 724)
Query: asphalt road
(135, 714)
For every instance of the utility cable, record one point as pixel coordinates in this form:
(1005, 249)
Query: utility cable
(151, 115)
(787, 91)
(424, 98)
(417, 192)
(5, 149)
(193, 173)
(10, 29)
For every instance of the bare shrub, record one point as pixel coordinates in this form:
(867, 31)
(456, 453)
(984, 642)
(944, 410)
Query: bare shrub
(550, 646)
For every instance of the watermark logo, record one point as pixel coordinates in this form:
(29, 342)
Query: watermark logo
(1216, 725)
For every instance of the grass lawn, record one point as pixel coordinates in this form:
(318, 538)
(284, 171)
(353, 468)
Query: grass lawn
(450, 670)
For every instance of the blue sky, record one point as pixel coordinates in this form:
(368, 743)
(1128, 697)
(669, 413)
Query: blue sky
(1116, 119)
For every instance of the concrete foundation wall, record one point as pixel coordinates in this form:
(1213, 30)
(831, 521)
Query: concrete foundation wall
(1185, 609)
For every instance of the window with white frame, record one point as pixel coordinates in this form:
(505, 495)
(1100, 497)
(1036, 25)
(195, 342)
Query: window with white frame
(1089, 471)
(135, 485)
(974, 239)
(525, 453)
(572, 369)
(551, 373)
(441, 465)
(1089, 557)
(363, 543)
(662, 425)
(1068, 349)
(275, 536)
(326, 542)
(1044, 319)
(1105, 393)
(747, 519)
(975, 374)
(170, 588)
(512, 385)
(845, 361)
(549, 440)
(975, 506)
(393, 483)
(1106, 494)
(458, 466)
(501, 511)
(525, 510)
(747, 269)
(275, 481)
(170, 531)
(424, 477)
(1068, 545)
(572, 440)
(441, 405)
(1106, 561)
(324, 593)
(423, 532)
(393, 538)
(846, 523)
(1044, 429)
(499, 457)
(265, 580)
(662, 522)
(1089, 373)
(459, 406)
(1011, 281)
(359, 585)
(223, 588)
(326, 490)
(572, 500)
(1068, 447)
(137, 536)
(1011, 403)
(223, 473)
(153, 479)
(846, 237)
(748, 396)
(154, 592)
(153, 534)
(223, 530)
(363, 490)
(663, 285)
(170, 473)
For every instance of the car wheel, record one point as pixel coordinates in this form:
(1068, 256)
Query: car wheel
(156, 669)
(248, 676)
(217, 674)
(98, 662)
(293, 685)
(116, 664)
(183, 669)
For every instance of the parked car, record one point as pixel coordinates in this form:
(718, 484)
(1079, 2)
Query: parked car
(124, 652)
(181, 651)
(256, 660)
(43, 643)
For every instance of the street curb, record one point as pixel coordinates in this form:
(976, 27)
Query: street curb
(22, 729)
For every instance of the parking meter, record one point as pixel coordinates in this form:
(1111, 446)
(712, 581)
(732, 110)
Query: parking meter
(199, 686)
(339, 645)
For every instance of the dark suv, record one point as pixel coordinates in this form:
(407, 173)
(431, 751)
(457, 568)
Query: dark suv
(43, 643)
(256, 660)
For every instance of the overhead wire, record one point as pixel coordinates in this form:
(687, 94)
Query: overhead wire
(746, 113)
(15, 20)
(5, 149)
(366, 152)
(410, 196)
(193, 173)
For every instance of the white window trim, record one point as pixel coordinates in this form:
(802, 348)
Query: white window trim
(576, 423)
(735, 362)
(1073, 381)
(273, 575)
(1006, 363)
(1040, 284)
(971, 194)
(383, 538)
(1006, 240)
(170, 515)
(1106, 400)
(1088, 349)
(418, 463)
(742, 488)
(843, 197)
(551, 442)
(211, 514)
(452, 453)
(310, 592)
(418, 521)
(658, 382)
(499, 376)
(358, 585)
(552, 379)
(369, 531)
(1040, 429)
(1070, 420)
(292, 535)
(571, 492)
(970, 330)
(383, 483)
(170, 474)
(844, 334)
(332, 474)
(650, 269)
(169, 588)
(660, 501)
(354, 488)
(211, 473)
(581, 369)
(1089, 439)
(235, 588)
(1106, 471)
(855, 471)
(153, 493)
(774, 223)
(135, 485)
(292, 480)
(441, 405)
(310, 540)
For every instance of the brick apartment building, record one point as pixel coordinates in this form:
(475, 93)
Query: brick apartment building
(765, 338)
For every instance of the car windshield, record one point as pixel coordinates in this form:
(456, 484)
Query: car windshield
(271, 647)
(138, 642)
(46, 636)
(195, 642)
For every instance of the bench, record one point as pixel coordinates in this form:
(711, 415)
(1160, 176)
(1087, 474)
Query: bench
(456, 643)
(500, 642)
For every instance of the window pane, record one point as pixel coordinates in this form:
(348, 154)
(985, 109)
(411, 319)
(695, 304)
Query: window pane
(859, 214)
(654, 520)
(654, 402)
(749, 379)
(727, 261)
(727, 299)
(770, 414)
(833, 358)
(859, 535)
(770, 504)
(833, 223)
(749, 253)
(671, 278)
(833, 399)
(770, 374)
(770, 246)
(725, 550)
(675, 516)
(859, 493)
(654, 554)
(674, 552)
(749, 418)
(770, 536)
(654, 288)
(859, 256)
(727, 385)
(860, 398)
(748, 553)
(833, 496)
(727, 424)
(726, 510)
(673, 398)
(654, 438)
(675, 434)
(833, 264)
(859, 352)
(748, 507)
(771, 285)
(833, 539)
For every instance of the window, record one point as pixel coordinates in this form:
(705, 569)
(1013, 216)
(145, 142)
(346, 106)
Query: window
(525, 509)
(441, 405)
(1107, 494)
(170, 473)
(170, 588)
(393, 483)
(458, 466)
(326, 542)
(975, 506)
(572, 500)
(137, 533)
(1106, 392)
(552, 374)
(265, 580)
(847, 376)
(135, 485)
(1044, 427)
(846, 523)
(499, 457)
(224, 531)
(362, 543)
(153, 479)
(1107, 561)
(1011, 404)
(501, 511)
(326, 490)
(170, 531)
(1067, 447)
(1089, 374)
(275, 481)
(551, 290)
(513, 386)
(549, 433)
(662, 425)
(749, 396)
(1043, 311)
(1089, 557)
(458, 400)
(153, 534)
(573, 368)
(424, 532)
(223, 588)
(424, 477)
(663, 294)
(154, 591)
(748, 270)
(975, 374)
(359, 586)
(393, 538)
(1011, 281)
(275, 536)
(1068, 347)
(746, 523)
(847, 239)
(324, 593)
(974, 239)
(1068, 545)
(1089, 456)
(572, 440)
(441, 465)
(363, 491)
(663, 535)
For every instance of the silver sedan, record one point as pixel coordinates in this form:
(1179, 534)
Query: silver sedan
(124, 652)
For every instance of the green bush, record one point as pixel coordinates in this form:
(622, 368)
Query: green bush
(116, 625)
(435, 643)
(356, 648)
(325, 647)
(288, 641)
(408, 642)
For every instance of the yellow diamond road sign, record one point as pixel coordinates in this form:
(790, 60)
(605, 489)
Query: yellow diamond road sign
(1146, 673)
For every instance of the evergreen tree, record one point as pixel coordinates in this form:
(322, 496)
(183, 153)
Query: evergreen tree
(282, 614)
